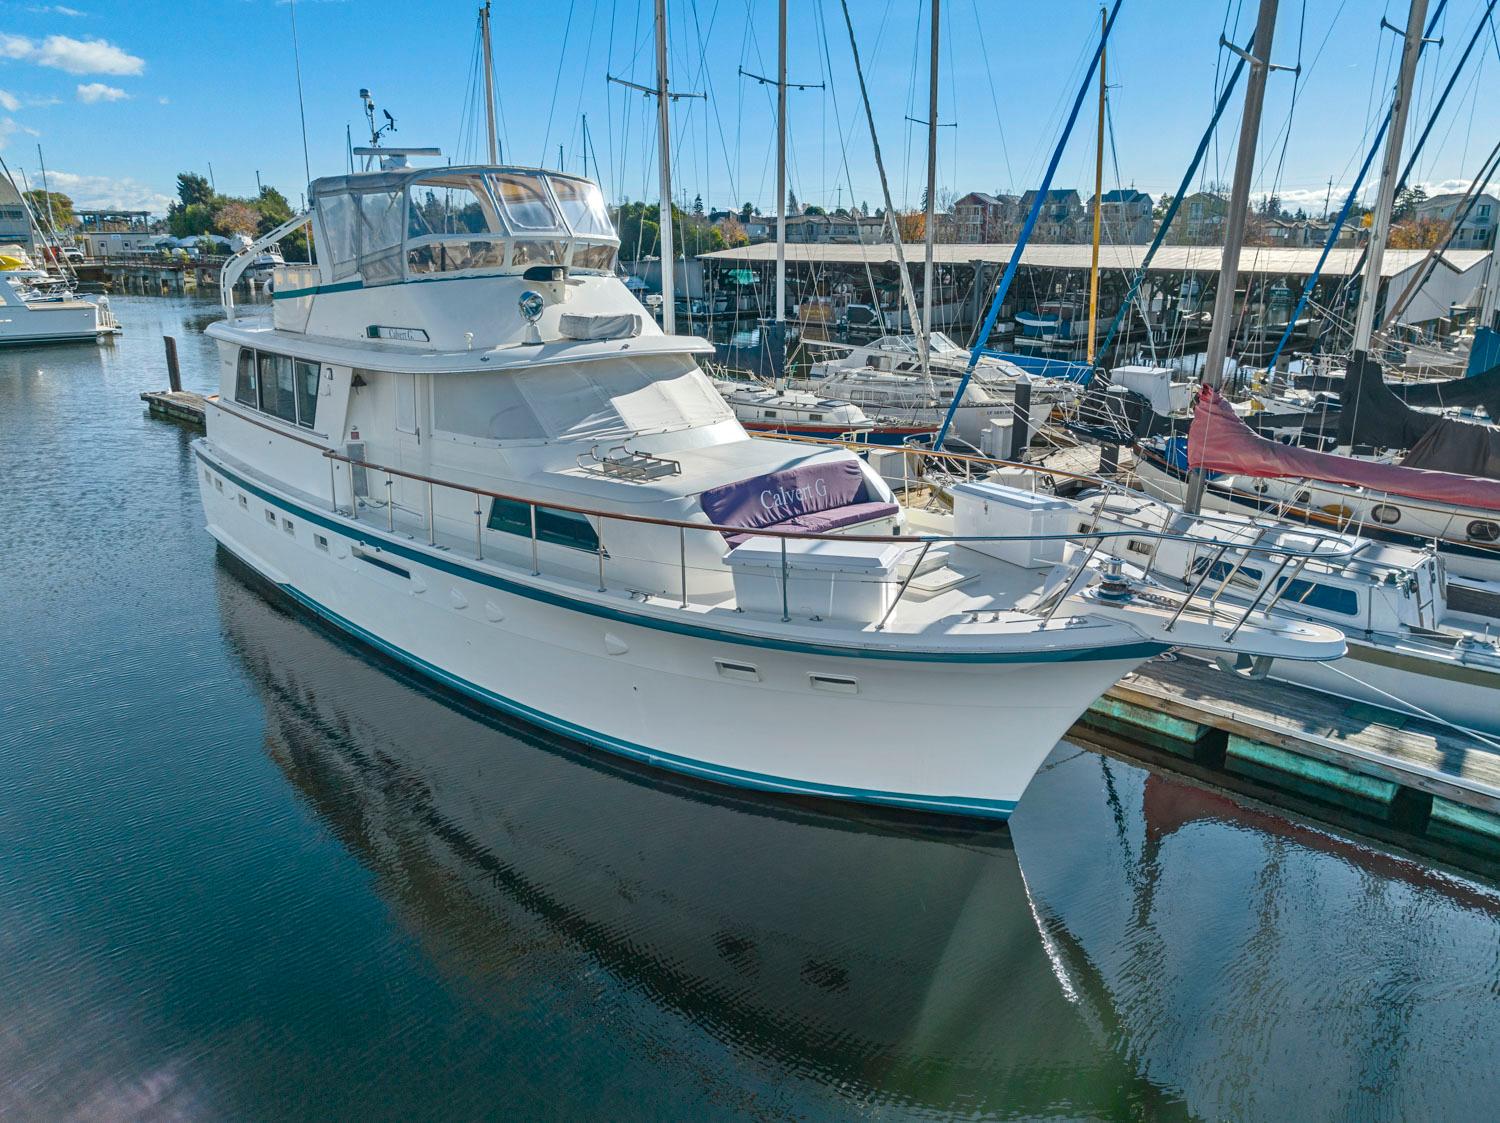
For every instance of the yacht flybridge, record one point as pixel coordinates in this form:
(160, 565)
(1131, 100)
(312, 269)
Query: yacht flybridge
(458, 437)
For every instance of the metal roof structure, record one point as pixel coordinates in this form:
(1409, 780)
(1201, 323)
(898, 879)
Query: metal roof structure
(1258, 260)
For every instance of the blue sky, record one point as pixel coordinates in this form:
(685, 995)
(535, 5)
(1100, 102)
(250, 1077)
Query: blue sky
(122, 95)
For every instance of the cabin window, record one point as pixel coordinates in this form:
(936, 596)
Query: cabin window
(526, 204)
(600, 258)
(1386, 514)
(815, 417)
(380, 232)
(450, 255)
(1482, 530)
(278, 395)
(307, 393)
(337, 213)
(1330, 598)
(453, 204)
(582, 205)
(536, 253)
(244, 379)
(770, 413)
(487, 407)
(561, 528)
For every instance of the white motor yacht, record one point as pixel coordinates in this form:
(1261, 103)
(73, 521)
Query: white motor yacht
(30, 315)
(458, 437)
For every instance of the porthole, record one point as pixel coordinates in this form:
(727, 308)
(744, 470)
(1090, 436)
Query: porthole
(288, 526)
(245, 503)
(1482, 530)
(322, 542)
(270, 516)
(1386, 514)
(218, 484)
(1303, 496)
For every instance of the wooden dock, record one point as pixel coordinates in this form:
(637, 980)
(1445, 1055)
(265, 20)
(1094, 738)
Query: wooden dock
(177, 405)
(1416, 782)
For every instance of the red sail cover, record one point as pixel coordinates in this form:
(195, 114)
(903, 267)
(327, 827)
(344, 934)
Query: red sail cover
(1218, 441)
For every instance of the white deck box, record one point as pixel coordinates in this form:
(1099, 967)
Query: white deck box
(854, 582)
(982, 508)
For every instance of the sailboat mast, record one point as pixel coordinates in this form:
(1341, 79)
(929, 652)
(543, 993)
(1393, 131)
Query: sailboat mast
(1234, 223)
(46, 192)
(1385, 198)
(489, 82)
(1098, 198)
(781, 165)
(1491, 298)
(924, 332)
(664, 144)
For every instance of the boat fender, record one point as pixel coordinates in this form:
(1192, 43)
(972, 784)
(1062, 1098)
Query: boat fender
(1246, 666)
(1339, 511)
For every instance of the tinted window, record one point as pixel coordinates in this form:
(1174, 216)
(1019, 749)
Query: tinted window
(307, 393)
(244, 379)
(277, 387)
(562, 528)
(1330, 598)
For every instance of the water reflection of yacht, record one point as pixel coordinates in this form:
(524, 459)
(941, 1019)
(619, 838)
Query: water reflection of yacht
(883, 964)
(1254, 963)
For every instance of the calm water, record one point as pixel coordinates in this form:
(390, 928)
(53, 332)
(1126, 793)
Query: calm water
(249, 872)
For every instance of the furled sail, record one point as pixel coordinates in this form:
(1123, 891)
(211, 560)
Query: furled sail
(1220, 442)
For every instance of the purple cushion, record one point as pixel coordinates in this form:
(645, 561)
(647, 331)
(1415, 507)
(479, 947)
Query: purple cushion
(821, 522)
(772, 499)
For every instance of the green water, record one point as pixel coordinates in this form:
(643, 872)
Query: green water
(249, 871)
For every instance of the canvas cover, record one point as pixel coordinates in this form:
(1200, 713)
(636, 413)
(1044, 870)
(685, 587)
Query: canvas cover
(815, 496)
(1219, 441)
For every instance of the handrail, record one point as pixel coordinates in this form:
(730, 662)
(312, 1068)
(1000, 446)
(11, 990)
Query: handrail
(240, 260)
(771, 532)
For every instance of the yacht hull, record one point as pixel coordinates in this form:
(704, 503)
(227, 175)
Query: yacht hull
(918, 732)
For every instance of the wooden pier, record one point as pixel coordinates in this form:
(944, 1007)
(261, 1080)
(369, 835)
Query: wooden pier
(176, 405)
(1407, 780)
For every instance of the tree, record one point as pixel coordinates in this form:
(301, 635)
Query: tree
(732, 232)
(912, 225)
(698, 206)
(193, 188)
(1408, 199)
(1417, 233)
(236, 217)
(791, 202)
(185, 221)
(1162, 205)
(745, 212)
(813, 210)
(272, 209)
(61, 214)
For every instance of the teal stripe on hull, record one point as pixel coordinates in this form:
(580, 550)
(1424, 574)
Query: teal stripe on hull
(1143, 650)
(732, 777)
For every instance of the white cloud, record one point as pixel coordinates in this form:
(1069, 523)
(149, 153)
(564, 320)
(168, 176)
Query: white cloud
(93, 92)
(163, 101)
(76, 56)
(55, 10)
(9, 101)
(101, 192)
(9, 127)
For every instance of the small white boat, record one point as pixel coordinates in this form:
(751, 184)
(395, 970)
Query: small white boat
(1408, 651)
(762, 409)
(29, 315)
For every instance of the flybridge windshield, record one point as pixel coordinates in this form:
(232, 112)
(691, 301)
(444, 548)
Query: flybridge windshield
(452, 220)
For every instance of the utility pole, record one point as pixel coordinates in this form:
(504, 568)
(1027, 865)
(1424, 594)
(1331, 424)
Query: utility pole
(489, 82)
(1234, 226)
(664, 96)
(1328, 199)
(258, 188)
(1385, 198)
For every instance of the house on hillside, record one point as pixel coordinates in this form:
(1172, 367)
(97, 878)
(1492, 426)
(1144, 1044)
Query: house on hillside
(1200, 220)
(1058, 219)
(980, 217)
(1476, 231)
(1124, 217)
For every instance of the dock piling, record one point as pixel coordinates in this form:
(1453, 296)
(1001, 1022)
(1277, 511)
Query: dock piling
(174, 373)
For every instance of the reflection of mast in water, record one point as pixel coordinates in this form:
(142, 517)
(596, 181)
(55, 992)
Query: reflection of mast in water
(884, 961)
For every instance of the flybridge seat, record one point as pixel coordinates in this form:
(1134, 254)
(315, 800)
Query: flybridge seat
(815, 498)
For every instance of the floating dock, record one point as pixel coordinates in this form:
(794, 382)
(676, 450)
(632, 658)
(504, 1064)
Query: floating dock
(176, 405)
(1401, 779)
